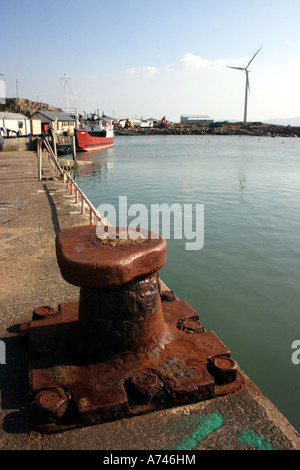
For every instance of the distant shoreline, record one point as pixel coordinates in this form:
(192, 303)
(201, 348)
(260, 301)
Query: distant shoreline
(246, 129)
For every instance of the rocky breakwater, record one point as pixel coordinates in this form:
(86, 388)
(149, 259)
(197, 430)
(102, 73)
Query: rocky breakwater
(249, 129)
(25, 107)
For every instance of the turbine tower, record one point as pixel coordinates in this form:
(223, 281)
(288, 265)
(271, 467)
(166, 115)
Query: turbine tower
(247, 82)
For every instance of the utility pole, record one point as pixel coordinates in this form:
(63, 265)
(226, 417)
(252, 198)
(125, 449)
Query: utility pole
(17, 91)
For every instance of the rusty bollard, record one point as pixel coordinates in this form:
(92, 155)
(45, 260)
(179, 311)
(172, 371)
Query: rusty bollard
(119, 307)
(125, 348)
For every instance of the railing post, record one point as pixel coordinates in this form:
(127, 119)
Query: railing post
(54, 143)
(40, 159)
(93, 213)
(52, 155)
(74, 149)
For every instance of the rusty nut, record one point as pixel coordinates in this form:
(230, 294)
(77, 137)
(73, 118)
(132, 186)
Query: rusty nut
(52, 403)
(225, 369)
(190, 325)
(145, 386)
(42, 312)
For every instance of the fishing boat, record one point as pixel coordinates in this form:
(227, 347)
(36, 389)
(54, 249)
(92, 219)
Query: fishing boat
(95, 134)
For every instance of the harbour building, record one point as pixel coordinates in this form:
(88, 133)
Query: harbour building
(195, 119)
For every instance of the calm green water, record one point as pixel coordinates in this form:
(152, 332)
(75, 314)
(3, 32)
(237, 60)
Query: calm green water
(245, 281)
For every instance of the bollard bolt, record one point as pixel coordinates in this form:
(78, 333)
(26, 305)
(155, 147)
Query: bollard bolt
(224, 369)
(52, 403)
(43, 312)
(190, 325)
(144, 387)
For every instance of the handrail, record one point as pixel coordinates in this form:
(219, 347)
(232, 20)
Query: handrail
(67, 178)
(52, 156)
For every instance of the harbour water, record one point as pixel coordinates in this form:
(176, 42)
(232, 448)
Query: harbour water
(245, 281)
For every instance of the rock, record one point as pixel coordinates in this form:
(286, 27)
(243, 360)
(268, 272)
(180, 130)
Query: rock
(24, 106)
(250, 129)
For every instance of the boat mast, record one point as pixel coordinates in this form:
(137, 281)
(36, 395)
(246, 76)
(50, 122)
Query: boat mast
(66, 79)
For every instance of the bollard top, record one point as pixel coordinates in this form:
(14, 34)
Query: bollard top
(108, 259)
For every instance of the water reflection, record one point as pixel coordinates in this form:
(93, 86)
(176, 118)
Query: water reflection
(98, 165)
(96, 155)
(96, 171)
(242, 183)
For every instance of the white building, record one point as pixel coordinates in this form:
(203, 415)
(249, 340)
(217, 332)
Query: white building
(136, 122)
(194, 119)
(146, 123)
(59, 122)
(14, 125)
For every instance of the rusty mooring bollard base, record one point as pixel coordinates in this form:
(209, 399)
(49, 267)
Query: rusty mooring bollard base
(68, 390)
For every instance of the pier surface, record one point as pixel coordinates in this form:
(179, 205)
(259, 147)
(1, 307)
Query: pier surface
(32, 212)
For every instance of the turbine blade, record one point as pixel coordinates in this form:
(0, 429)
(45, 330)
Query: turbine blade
(254, 56)
(237, 68)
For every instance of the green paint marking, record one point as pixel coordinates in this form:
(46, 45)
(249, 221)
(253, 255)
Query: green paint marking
(209, 424)
(254, 440)
(194, 421)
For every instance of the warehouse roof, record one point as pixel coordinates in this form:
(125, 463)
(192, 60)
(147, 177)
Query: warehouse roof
(195, 116)
(53, 116)
(5, 115)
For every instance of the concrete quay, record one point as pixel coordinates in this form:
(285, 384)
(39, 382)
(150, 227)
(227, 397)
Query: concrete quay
(32, 212)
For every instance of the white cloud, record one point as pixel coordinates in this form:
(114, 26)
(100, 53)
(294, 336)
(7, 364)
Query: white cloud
(194, 62)
(145, 71)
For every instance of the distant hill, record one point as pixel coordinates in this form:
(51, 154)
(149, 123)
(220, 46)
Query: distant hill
(25, 107)
(285, 121)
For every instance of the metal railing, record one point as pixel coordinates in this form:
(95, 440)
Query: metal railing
(67, 178)
(69, 181)
(50, 154)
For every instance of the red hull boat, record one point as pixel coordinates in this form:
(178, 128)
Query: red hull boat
(95, 135)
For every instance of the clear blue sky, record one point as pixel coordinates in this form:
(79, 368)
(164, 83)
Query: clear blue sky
(155, 58)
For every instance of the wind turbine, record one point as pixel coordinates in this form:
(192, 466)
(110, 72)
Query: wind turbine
(247, 82)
